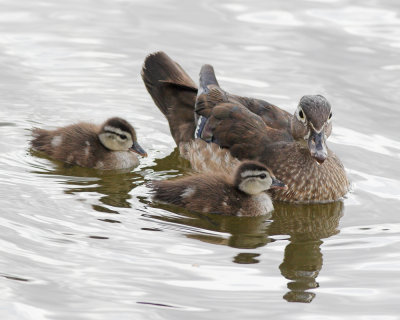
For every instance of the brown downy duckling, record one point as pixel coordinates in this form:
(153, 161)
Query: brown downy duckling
(241, 195)
(110, 146)
(292, 145)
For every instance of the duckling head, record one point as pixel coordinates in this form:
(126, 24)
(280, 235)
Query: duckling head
(117, 134)
(312, 125)
(253, 178)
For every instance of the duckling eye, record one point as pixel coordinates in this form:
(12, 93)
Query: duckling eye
(123, 137)
(262, 176)
(330, 116)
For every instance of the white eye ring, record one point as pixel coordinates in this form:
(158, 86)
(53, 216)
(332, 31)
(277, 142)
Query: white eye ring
(330, 117)
(300, 115)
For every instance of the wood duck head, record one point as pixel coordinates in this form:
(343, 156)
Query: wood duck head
(252, 178)
(117, 134)
(312, 125)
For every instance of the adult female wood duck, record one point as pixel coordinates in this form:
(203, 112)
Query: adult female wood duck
(293, 146)
(110, 146)
(241, 194)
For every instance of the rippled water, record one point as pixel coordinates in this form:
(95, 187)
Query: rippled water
(78, 244)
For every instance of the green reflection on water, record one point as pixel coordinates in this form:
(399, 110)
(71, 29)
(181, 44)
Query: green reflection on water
(306, 225)
(173, 163)
(302, 225)
(113, 186)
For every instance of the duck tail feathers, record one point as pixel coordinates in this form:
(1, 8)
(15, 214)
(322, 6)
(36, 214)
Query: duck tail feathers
(174, 93)
(207, 77)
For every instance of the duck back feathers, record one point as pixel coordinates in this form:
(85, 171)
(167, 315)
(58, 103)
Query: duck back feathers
(62, 144)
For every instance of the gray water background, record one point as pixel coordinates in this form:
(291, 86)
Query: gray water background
(78, 244)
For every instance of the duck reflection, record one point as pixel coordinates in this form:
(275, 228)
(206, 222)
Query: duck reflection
(171, 164)
(113, 186)
(304, 225)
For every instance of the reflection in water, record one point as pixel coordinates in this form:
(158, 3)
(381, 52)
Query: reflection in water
(173, 165)
(242, 232)
(305, 225)
(302, 263)
(246, 258)
(113, 186)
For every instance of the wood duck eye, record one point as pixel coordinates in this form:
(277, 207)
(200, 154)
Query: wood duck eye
(263, 176)
(330, 116)
(122, 136)
(301, 114)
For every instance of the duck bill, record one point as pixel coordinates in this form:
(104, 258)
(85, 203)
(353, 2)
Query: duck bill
(277, 184)
(317, 146)
(138, 149)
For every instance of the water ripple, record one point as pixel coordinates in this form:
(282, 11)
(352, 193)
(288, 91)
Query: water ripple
(370, 142)
(356, 16)
(273, 17)
(386, 188)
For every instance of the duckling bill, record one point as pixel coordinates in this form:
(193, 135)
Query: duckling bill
(243, 195)
(110, 146)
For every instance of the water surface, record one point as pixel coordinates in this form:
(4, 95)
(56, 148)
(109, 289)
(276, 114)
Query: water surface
(80, 244)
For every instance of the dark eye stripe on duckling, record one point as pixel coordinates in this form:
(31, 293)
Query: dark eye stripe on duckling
(122, 136)
(262, 176)
(254, 174)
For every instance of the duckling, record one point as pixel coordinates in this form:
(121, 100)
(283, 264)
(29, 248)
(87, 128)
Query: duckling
(110, 146)
(292, 145)
(244, 195)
